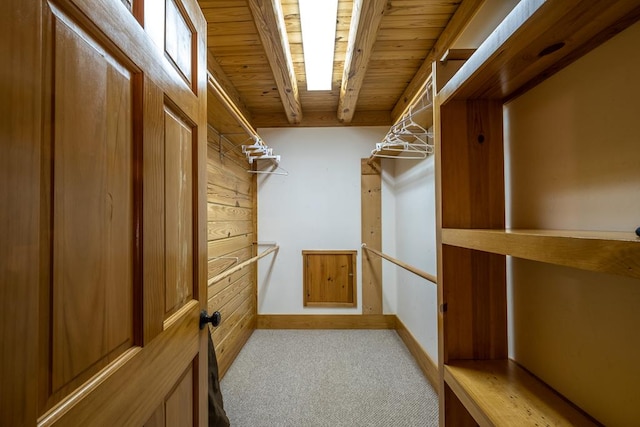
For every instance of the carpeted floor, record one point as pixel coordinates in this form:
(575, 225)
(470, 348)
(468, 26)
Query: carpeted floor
(327, 378)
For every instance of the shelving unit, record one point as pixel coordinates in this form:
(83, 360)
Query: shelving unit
(606, 252)
(499, 392)
(479, 384)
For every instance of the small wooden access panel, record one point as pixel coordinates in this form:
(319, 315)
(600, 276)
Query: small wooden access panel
(329, 278)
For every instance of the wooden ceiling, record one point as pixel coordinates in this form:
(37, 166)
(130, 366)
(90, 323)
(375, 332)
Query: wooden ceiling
(381, 61)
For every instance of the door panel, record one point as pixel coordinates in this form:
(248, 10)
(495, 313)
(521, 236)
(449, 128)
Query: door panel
(92, 210)
(178, 39)
(128, 391)
(103, 217)
(178, 208)
(157, 418)
(179, 404)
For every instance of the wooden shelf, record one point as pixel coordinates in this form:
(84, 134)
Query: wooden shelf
(400, 152)
(607, 252)
(500, 393)
(537, 39)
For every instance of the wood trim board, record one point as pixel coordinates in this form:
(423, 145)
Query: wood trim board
(325, 321)
(428, 367)
(371, 220)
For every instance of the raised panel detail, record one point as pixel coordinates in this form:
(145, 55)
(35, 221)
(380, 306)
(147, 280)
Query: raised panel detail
(178, 207)
(179, 404)
(179, 37)
(157, 418)
(92, 214)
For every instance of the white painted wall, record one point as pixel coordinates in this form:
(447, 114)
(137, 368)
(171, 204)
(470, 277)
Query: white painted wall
(573, 162)
(317, 206)
(389, 274)
(410, 192)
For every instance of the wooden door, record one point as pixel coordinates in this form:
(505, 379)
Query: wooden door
(102, 213)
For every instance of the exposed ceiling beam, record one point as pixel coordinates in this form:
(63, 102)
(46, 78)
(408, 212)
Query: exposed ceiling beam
(460, 19)
(365, 22)
(269, 21)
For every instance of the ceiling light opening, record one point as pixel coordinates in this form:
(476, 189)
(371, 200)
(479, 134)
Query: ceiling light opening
(318, 20)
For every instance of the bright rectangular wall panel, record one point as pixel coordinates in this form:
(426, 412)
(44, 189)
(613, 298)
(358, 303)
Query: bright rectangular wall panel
(412, 193)
(318, 20)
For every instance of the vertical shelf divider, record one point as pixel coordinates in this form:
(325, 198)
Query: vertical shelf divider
(472, 284)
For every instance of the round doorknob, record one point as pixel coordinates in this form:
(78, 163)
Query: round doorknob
(214, 319)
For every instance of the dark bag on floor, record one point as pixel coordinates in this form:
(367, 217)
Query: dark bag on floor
(217, 415)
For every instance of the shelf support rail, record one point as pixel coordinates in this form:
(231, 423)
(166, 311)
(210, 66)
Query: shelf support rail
(404, 265)
(240, 266)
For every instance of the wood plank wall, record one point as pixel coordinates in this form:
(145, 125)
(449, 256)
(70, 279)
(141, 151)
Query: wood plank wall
(231, 232)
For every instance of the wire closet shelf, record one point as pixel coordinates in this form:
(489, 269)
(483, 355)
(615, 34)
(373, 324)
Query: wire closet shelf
(257, 150)
(410, 137)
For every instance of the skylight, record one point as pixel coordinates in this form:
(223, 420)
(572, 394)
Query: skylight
(318, 20)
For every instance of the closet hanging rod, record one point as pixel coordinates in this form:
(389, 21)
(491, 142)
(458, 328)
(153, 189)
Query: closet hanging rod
(404, 265)
(269, 173)
(235, 258)
(265, 243)
(231, 107)
(240, 266)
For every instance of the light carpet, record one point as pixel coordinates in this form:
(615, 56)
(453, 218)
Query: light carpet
(309, 378)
